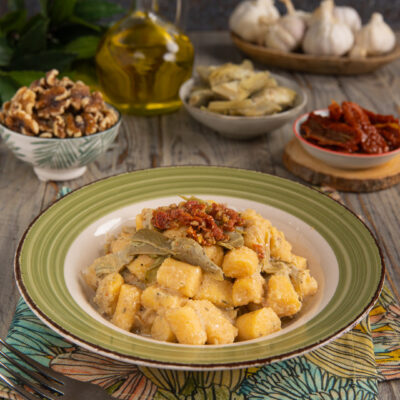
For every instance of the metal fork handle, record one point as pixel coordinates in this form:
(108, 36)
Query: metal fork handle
(19, 389)
(65, 387)
(46, 372)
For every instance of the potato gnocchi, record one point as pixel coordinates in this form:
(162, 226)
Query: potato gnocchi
(199, 273)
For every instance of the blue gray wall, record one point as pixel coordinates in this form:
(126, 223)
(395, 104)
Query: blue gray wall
(213, 14)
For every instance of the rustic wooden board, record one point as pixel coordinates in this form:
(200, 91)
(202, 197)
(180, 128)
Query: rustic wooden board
(308, 168)
(314, 64)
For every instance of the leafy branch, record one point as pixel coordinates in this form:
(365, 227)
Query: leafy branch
(64, 35)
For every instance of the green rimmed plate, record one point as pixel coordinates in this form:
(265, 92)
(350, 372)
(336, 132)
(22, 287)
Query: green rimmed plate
(65, 238)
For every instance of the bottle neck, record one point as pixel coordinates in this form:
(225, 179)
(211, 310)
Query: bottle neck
(153, 6)
(145, 5)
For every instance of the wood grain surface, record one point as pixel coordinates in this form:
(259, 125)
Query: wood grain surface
(177, 139)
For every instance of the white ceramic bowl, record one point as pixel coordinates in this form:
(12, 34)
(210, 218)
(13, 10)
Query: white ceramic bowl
(340, 159)
(237, 127)
(59, 159)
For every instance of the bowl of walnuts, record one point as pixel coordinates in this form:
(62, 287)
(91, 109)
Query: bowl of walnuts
(58, 126)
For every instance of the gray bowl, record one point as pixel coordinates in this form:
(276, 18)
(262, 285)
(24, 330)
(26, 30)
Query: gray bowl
(237, 127)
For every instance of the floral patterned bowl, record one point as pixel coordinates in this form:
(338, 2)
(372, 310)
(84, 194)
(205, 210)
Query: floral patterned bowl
(59, 159)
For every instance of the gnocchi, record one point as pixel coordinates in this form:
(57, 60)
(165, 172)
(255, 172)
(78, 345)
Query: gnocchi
(199, 273)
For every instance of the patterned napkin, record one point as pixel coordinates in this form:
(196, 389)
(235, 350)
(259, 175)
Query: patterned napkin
(349, 367)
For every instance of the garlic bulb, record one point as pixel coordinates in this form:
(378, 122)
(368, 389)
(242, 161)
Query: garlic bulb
(287, 33)
(245, 18)
(349, 16)
(304, 15)
(374, 39)
(327, 36)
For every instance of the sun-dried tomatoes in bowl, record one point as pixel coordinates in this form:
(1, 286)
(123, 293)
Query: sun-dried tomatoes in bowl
(369, 140)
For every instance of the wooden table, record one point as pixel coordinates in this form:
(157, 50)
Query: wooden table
(177, 139)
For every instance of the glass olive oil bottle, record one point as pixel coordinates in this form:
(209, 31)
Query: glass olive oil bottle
(142, 61)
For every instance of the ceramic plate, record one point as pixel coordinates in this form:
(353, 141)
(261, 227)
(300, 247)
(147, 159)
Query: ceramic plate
(343, 256)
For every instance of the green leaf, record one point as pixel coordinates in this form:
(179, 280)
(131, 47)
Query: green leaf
(34, 39)
(160, 243)
(43, 61)
(235, 240)
(93, 10)
(5, 52)
(112, 262)
(13, 21)
(191, 252)
(79, 21)
(83, 47)
(16, 5)
(85, 71)
(151, 273)
(25, 78)
(8, 87)
(61, 10)
(44, 6)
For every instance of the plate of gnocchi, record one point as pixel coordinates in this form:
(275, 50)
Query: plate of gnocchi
(198, 268)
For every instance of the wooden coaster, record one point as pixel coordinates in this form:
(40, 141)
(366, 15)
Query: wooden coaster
(303, 165)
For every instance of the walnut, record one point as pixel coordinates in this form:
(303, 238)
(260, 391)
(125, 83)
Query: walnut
(52, 107)
(72, 128)
(78, 134)
(98, 116)
(4, 112)
(80, 95)
(46, 135)
(109, 119)
(90, 123)
(53, 101)
(80, 123)
(25, 99)
(6, 106)
(96, 103)
(51, 77)
(59, 128)
(21, 121)
(66, 82)
(45, 125)
(38, 86)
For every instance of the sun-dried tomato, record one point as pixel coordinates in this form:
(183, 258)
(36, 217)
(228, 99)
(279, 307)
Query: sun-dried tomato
(379, 118)
(352, 128)
(335, 111)
(206, 223)
(372, 141)
(323, 132)
(391, 132)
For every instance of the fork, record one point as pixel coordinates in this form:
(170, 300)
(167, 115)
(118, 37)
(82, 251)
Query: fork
(49, 384)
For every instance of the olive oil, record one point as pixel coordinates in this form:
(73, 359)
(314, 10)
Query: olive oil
(142, 62)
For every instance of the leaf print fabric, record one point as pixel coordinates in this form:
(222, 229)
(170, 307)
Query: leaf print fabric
(124, 381)
(347, 368)
(300, 379)
(385, 332)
